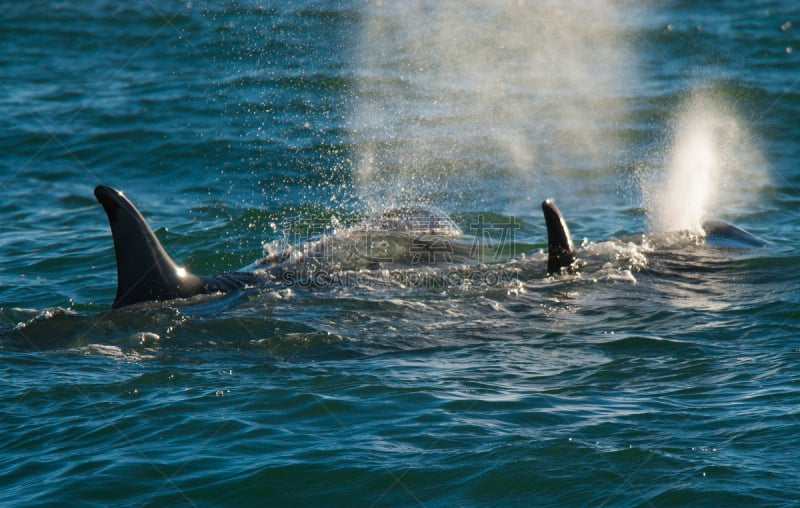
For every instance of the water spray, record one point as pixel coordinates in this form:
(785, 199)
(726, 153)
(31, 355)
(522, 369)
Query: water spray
(711, 167)
(453, 93)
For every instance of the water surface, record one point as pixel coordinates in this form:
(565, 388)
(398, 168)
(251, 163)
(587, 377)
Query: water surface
(663, 374)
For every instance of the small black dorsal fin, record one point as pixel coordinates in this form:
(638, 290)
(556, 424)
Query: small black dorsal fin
(145, 272)
(560, 250)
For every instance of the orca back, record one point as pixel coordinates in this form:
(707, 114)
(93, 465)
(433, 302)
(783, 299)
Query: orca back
(723, 235)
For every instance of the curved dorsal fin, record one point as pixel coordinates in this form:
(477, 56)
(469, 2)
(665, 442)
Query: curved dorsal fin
(560, 250)
(145, 272)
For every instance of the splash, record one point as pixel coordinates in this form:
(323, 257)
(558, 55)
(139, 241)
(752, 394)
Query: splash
(454, 91)
(712, 167)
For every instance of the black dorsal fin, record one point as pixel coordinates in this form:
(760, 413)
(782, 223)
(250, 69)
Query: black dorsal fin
(560, 250)
(145, 272)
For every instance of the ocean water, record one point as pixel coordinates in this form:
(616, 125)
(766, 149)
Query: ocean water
(665, 372)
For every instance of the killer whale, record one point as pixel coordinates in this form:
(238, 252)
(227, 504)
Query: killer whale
(721, 234)
(146, 272)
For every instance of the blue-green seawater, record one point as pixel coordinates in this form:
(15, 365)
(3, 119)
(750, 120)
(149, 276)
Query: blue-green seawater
(656, 377)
